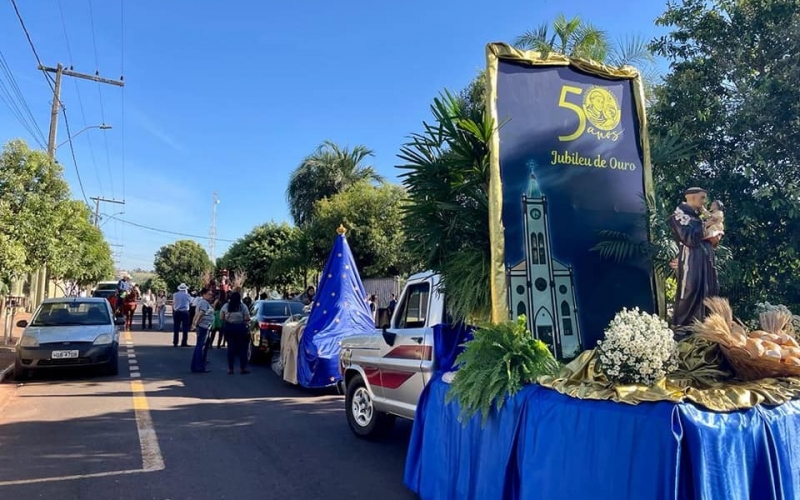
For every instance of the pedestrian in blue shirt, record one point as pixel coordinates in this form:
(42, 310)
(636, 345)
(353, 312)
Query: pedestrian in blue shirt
(180, 315)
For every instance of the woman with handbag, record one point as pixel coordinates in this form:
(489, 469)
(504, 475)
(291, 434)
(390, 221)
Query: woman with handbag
(235, 324)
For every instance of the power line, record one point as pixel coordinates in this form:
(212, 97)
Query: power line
(30, 42)
(122, 78)
(15, 100)
(165, 231)
(80, 101)
(74, 161)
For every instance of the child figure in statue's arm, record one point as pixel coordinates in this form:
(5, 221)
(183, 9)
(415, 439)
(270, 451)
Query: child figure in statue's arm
(714, 224)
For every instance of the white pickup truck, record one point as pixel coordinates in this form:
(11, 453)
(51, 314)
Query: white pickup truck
(385, 372)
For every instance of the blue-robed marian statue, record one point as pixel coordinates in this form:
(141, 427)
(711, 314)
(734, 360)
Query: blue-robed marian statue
(697, 276)
(339, 310)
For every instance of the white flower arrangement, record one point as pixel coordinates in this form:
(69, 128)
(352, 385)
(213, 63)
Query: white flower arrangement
(639, 348)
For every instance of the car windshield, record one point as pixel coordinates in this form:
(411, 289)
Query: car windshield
(72, 314)
(273, 309)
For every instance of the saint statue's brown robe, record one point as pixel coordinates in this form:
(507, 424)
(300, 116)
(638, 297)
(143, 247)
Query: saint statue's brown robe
(697, 276)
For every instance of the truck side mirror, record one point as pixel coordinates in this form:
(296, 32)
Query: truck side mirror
(388, 336)
(22, 323)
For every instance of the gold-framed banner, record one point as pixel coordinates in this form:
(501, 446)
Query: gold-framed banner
(570, 168)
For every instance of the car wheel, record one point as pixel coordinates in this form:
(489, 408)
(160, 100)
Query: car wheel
(112, 368)
(20, 373)
(362, 417)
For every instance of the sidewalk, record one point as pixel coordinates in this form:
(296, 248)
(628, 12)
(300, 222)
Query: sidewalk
(7, 351)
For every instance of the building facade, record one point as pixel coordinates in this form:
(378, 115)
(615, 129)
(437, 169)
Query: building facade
(541, 287)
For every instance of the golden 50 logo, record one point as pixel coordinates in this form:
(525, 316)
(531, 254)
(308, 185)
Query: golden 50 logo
(598, 106)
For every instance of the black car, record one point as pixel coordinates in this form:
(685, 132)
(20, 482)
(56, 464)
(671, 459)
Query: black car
(268, 317)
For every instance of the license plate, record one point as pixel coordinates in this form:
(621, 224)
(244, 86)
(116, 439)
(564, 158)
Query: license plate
(64, 354)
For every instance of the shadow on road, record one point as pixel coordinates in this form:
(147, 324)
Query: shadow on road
(220, 436)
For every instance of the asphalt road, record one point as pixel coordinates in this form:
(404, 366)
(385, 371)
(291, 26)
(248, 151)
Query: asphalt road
(167, 433)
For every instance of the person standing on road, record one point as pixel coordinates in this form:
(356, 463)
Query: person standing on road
(203, 318)
(193, 304)
(161, 308)
(216, 327)
(235, 320)
(180, 315)
(148, 301)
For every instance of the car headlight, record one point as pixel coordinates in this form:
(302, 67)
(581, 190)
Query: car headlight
(28, 341)
(103, 339)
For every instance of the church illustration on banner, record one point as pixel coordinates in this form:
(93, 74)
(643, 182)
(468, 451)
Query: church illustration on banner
(541, 287)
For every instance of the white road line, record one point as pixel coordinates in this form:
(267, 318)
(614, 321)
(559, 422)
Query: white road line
(133, 362)
(135, 375)
(70, 478)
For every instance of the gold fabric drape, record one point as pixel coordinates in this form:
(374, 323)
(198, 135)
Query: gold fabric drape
(703, 377)
(494, 53)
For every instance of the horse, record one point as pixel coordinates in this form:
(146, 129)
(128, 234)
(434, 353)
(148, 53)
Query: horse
(129, 307)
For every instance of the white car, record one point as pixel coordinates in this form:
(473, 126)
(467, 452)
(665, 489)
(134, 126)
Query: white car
(69, 332)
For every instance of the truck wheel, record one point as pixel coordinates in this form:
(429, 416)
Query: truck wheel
(364, 420)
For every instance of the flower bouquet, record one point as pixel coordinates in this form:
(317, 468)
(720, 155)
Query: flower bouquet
(638, 348)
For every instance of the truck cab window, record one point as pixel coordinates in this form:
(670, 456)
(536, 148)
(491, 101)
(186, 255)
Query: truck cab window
(414, 307)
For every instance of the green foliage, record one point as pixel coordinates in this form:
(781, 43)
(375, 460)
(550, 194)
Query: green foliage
(447, 180)
(32, 190)
(328, 171)
(84, 255)
(733, 94)
(154, 284)
(499, 360)
(373, 218)
(184, 261)
(267, 255)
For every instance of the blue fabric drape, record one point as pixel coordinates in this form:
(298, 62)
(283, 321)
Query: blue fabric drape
(545, 445)
(448, 342)
(339, 310)
(458, 462)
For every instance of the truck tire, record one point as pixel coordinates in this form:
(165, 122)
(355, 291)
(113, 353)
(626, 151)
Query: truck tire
(363, 419)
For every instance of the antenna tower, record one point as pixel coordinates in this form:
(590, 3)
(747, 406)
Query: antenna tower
(212, 233)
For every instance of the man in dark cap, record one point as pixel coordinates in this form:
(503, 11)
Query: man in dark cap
(697, 276)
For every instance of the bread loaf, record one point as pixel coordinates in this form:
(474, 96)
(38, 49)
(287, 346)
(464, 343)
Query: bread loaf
(770, 345)
(755, 347)
(792, 361)
(773, 353)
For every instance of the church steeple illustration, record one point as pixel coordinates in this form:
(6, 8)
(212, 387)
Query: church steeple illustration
(540, 286)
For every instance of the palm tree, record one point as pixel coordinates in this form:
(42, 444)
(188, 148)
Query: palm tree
(580, 39)
(330, 170)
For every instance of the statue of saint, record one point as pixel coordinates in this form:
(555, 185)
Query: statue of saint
(697, 276)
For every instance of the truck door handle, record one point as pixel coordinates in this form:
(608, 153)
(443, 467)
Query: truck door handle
(418, 340)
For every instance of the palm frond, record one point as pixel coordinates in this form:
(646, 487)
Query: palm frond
(631, 51)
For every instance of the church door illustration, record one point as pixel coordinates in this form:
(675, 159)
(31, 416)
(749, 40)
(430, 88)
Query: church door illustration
(544, 328)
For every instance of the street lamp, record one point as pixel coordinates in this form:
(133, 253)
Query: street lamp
(101, 127)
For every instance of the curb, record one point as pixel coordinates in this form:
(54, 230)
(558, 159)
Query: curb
(4, 373)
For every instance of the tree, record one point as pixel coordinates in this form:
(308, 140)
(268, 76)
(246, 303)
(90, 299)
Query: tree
(184, 261)
(580, 39)
(156, 284)
(733, 94)
(262, 254)
(32, 189)
(447, 216)
(328, 171)
(84, 256)
(373, 218)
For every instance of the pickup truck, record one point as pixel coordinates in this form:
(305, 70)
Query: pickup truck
(384, 373)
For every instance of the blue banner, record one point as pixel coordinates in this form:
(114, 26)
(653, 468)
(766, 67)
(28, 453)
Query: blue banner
(571, 165)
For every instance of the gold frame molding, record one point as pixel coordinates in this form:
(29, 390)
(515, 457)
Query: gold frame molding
(494, 53)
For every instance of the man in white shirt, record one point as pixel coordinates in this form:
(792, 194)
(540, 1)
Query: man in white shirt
(148, 301)
(180, 315)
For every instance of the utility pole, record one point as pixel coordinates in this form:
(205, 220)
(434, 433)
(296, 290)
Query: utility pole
(41, 283)
(97, 200)
(212, 233)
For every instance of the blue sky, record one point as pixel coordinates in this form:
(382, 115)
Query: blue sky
(229, 96)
